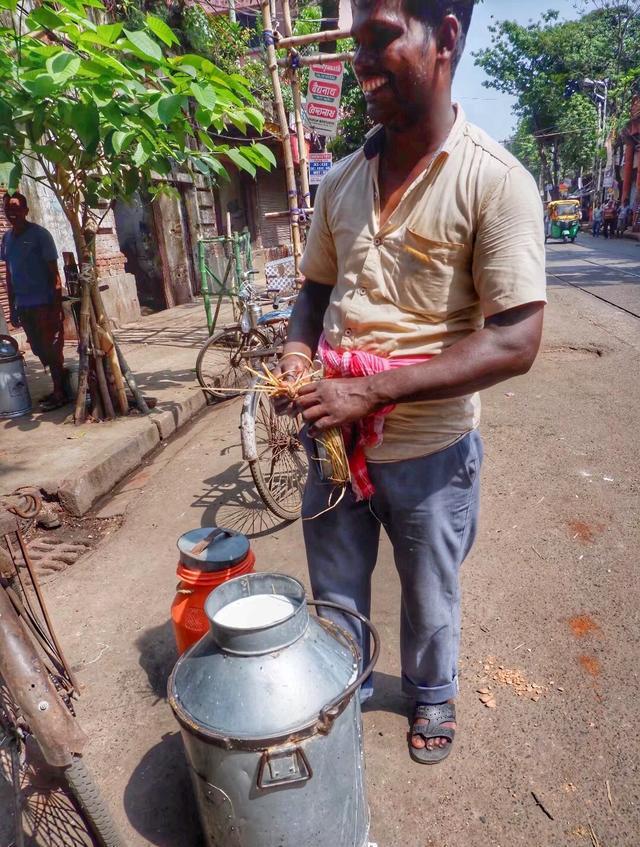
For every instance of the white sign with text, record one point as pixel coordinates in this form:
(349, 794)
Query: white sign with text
(323, 97)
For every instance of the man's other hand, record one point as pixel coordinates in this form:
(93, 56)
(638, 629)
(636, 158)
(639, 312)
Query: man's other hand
(333, 402)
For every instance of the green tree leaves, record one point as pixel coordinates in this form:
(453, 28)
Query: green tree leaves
(144, 44)
(103, 107)
(544, 65)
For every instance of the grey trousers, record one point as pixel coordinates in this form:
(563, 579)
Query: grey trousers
(429, 509)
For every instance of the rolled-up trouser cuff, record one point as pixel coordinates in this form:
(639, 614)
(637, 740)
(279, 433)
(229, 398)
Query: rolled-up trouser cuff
(432, 696)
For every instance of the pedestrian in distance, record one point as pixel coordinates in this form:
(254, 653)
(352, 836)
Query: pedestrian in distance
(597, 221)
(623, 213)
(609, 218)
(417, 295)
(35, 291)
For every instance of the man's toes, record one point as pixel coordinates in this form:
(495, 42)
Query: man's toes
(418, 742)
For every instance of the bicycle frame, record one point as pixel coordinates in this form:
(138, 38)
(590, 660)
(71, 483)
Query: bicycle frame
(231, 283)
(58, 734)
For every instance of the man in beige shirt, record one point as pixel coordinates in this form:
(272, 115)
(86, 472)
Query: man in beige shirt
(424, 284)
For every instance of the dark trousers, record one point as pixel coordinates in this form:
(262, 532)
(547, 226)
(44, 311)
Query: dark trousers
(43, 326)
(429, 509)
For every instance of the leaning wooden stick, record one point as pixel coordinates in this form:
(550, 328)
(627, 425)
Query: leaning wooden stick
(80, 414)
(141, 403)
(102, 379)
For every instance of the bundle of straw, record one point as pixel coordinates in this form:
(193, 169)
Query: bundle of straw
(330, 449)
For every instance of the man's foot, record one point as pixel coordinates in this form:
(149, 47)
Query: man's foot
(432, 732)
(53, 401)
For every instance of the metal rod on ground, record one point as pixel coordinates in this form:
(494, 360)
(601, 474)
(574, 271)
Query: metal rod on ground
(80, 414)
(107, 405)
(43, 608)
(318, 59)
(292, 190)
(310, 38)
(131, 381)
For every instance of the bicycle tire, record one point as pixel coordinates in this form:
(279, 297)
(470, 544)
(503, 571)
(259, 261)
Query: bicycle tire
(226, 368)
(280, 442)
(92, 807)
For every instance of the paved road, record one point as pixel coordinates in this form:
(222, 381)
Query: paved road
(605, 268)
(551, 598)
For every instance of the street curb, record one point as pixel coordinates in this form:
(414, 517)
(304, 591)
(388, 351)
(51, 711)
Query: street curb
(176, 414)
(111, 466)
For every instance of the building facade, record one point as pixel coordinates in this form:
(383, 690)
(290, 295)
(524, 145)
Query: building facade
(631, 163)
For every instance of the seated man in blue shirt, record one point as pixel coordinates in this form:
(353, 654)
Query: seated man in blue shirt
(35, 291)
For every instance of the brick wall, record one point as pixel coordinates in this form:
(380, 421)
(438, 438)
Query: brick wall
(109, 260)
(4, 299)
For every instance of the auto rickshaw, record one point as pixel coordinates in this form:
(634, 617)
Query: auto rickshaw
(564, 220)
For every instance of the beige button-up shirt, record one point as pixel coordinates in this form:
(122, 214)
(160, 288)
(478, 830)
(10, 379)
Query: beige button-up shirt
(465, 242)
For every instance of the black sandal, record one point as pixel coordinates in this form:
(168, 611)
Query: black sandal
(436, 716)
(48, 404)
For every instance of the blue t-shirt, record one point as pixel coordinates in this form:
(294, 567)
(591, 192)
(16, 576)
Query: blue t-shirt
(27, 256)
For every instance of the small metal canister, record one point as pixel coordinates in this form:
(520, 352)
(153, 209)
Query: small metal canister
(271, 722)
(15, 399)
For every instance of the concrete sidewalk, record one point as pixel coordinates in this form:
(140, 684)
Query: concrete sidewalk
(81, 464)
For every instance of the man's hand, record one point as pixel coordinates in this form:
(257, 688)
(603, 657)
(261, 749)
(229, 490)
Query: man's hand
(291, 367)
(333, 402)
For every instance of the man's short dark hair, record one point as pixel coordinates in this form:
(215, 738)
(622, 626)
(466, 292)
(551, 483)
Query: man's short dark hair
(431, 13)
(16, 196)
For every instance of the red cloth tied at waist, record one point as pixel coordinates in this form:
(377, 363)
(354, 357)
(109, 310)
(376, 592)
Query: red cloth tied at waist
(368, 431)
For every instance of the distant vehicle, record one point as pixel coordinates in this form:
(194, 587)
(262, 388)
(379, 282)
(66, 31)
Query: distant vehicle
(564, 220)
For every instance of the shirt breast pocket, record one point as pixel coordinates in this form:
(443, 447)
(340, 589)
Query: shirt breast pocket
(433, 277)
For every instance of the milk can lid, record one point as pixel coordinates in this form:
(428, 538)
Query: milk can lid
(225, 549)
(8, 347)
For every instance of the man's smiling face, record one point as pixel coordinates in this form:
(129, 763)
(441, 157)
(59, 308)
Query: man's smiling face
(394, 62)
(15, 210)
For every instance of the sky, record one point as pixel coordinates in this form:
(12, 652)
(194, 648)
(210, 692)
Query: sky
(485, 107)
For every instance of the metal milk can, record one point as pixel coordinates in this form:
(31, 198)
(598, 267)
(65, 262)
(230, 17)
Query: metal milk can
(270, 716)
(15, 399)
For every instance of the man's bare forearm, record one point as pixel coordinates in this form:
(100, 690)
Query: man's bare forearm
(505, 347)
(305, 325)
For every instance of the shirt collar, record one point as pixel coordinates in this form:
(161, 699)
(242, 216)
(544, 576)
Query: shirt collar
(375, 138)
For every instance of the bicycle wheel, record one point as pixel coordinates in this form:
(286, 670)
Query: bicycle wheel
(221, 363)
(93, 808)
(277, 459)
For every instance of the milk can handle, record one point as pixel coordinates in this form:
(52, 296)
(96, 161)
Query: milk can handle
(329, 712)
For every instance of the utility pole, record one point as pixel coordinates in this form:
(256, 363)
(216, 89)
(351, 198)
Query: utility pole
(600, 93)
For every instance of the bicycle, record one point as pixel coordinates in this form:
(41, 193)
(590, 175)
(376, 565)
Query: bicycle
(222, 362)
(38, 688)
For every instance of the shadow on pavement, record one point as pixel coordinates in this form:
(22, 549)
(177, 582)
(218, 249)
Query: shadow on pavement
(230, 500)
(158, 798)
(388, 696)
(158, 655)
(50, 817)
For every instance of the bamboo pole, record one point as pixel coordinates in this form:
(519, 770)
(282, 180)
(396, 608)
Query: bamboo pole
(80, 414)
(297, 110)
(292, 191)
(271, 216)
(318, 59)
(102, 379)
(291, 40)
(131, 382)
(109, 348)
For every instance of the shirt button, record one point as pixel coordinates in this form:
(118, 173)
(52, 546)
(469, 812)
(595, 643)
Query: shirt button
(348, 332)
(377, 241)
(362, 291)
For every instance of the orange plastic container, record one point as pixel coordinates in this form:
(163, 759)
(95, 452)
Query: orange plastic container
(228, 555)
